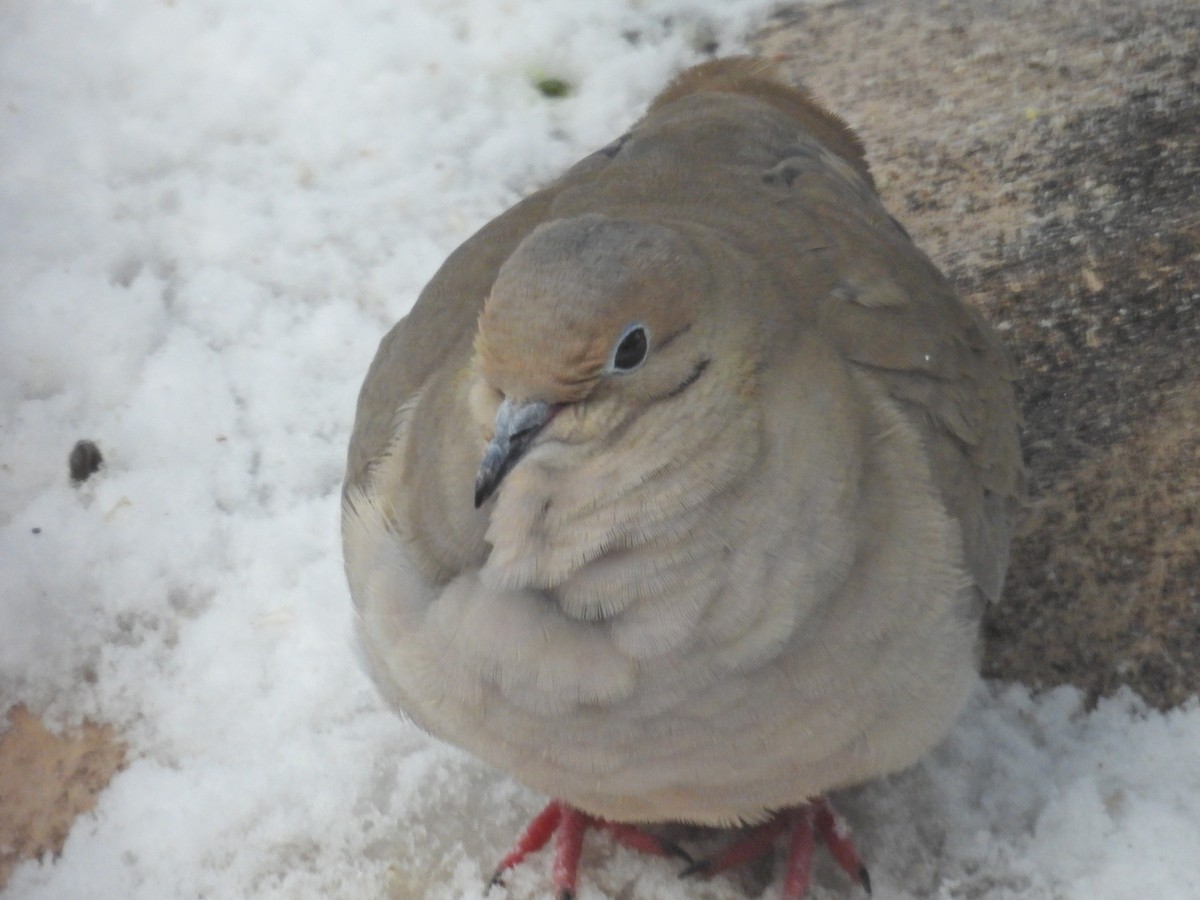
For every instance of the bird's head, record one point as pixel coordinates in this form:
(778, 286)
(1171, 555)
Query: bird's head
(591, 321)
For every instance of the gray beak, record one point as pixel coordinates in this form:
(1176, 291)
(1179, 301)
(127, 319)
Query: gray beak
(517, 424)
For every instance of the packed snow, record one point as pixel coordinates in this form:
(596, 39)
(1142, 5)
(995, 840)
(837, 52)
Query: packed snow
(211, 211)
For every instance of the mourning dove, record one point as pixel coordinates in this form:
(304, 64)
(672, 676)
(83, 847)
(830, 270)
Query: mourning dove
(680, 491)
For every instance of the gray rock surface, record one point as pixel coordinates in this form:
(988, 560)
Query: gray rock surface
(1048, 157)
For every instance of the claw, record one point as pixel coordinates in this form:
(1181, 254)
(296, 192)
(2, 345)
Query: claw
(697, 867)
(678, 852)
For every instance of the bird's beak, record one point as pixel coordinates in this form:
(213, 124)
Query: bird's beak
(517, 424)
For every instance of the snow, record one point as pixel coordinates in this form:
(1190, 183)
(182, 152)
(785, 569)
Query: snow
(211, 211)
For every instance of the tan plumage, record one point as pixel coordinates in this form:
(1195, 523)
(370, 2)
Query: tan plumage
(746, 572)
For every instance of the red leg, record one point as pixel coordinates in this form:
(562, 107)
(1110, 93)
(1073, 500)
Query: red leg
(533, 839)
(800, 854)
(568, 825)
(756, 844)
(636, 839)
(836, 836)
(568, 847)
(814, 821)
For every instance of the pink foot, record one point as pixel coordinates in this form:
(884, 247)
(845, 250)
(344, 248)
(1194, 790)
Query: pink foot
(568, 825)
(809, 823)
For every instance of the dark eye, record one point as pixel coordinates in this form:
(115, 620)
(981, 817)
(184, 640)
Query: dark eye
(631, 349)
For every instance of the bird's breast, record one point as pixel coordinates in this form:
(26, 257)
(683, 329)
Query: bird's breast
(604, 533)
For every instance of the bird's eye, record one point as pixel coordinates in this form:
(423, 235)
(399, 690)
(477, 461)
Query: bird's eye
(631, 349)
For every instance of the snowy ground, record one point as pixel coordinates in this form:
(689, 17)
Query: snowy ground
(210, 212)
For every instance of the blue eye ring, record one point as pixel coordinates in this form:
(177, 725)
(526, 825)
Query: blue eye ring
(631, 350)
